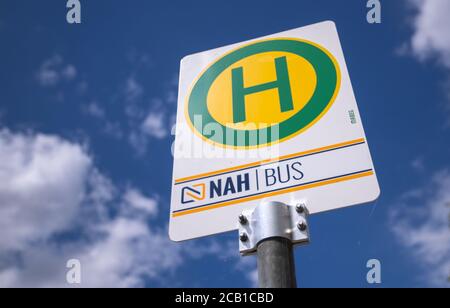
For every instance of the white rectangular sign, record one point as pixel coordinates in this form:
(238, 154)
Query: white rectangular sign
(273, 118)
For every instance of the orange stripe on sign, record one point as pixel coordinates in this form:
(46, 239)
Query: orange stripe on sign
(273, 160)
(275, 193)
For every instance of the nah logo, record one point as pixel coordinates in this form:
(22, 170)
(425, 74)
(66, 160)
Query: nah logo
(194, 193)
(276, 88)
(217, 188)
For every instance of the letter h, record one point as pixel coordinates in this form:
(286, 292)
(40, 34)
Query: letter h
(282, 83)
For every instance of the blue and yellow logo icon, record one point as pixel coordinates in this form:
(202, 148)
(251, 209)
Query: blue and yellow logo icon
(194, 193)
(284, 83)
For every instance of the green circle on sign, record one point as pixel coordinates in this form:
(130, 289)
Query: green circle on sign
(328, 81)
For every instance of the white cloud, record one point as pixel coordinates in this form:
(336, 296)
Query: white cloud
(253, 277)
(50, 185)
(138, 141)
(126, 256)
(42, 180)
(147, 121)
(110, 128)
(248, 266)
(133, 89)
(50, 188)
(121, 254)
(154, 125)
(94, 109)
(113, 129)
(171, 96)
(54, 70)
(421, 223)
(430, 39)
(69, 72)
(149, 118)
(431, 25)
(138, 60)
(134, 198)
(226, 252)
(418, 164)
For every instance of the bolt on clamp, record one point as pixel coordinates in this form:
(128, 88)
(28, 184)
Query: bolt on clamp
(269, 220)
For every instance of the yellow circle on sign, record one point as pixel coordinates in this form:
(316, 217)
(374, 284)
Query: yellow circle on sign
(262, 108)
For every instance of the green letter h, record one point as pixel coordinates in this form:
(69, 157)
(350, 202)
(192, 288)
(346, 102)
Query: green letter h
(281, 83)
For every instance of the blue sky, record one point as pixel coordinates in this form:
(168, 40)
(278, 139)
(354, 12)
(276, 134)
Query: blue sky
(86, 113)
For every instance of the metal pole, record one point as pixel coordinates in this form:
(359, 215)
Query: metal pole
(271, 230)
(276, 266)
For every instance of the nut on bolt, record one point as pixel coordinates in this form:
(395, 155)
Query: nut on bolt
(242, 219)
(300, 208)
(243, 237)
(302, 226)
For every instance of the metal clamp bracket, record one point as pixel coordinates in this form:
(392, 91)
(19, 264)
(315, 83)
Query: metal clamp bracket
(269, 220)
